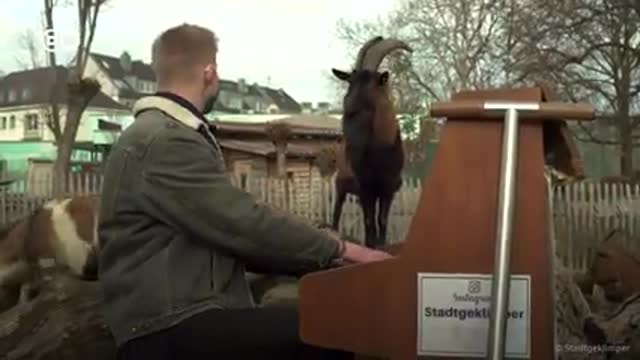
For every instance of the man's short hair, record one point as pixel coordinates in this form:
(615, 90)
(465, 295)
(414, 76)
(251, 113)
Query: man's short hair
(178, 50)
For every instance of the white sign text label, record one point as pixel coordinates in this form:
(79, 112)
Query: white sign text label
(454, 312)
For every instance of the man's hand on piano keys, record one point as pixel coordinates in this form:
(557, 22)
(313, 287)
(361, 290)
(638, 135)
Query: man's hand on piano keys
(358, 254)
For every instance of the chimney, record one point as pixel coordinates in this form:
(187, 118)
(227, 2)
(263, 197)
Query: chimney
(125, 62)
(242, 86)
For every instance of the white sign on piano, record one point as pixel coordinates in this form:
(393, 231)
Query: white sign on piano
(454, 312)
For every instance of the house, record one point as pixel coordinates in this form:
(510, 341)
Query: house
(25, 110)
(126, 80)
(123, 79)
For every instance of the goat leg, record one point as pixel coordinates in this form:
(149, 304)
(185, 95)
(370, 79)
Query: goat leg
(368, 205)
(383, 218)
(341, 195)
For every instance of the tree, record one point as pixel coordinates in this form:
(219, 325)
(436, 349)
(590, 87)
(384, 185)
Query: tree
(30, 50)
(80, 90)
(457, 45)
(591, 50)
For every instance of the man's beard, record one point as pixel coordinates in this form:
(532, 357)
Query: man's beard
(210, 102)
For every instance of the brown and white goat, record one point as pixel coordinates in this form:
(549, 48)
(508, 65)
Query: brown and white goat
(64, 231)
(614, 269)
(373, 146)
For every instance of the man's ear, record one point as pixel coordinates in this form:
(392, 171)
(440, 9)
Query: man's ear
(384, 78)
(210, 73)
(342, 75)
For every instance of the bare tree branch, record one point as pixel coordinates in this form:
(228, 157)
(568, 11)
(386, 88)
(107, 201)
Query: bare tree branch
(79, 90)
(30, 56)
(590, 49)
(54, 109)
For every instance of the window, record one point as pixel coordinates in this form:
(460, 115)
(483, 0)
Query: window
(242, 170)
(3, 123)
(26, 94)
(31, 122)
(243, 181)
(236, 102)
(223, 97)
(12, 122)
(12, 95)
(3, 97)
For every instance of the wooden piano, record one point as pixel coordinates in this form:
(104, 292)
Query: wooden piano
(372, 309)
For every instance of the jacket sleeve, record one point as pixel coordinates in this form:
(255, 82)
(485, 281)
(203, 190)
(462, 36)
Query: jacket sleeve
(184, 183)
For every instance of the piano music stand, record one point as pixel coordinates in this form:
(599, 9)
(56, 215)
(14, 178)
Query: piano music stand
(372, 309)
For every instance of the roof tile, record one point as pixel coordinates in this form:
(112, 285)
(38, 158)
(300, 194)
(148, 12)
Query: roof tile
(31, 87)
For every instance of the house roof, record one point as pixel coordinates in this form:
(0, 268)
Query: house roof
(303, 124)
(253, 90)
(315, 121)
(265, 147)
(112, 66)
(143, 71)
(35, 86)
(128, 93)
(283, 100)
(228, 85)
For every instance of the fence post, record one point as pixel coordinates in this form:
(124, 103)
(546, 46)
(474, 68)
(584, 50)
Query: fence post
(3, 203)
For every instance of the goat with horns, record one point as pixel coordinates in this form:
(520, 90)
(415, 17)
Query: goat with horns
(373, 146)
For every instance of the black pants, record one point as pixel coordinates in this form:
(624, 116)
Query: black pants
(270, 333)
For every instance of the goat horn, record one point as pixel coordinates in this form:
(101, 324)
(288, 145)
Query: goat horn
(363, 50)
(379, 50)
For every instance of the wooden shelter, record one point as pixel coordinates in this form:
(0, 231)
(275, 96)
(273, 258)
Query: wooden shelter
(250, 151)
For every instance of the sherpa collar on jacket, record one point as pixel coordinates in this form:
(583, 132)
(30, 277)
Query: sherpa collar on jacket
(182, 102)
(177, 112)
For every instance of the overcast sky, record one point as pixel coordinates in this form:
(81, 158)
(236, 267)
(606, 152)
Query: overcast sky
(291, 41)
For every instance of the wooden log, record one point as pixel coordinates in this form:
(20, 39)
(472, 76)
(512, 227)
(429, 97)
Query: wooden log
(64, 321)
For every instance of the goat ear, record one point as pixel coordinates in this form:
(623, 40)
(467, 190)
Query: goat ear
(342, 75)
(384, 78)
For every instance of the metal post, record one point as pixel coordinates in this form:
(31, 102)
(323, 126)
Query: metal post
(506, 207)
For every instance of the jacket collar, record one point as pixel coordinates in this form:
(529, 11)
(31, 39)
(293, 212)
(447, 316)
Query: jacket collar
(169, 107)
(177, 112)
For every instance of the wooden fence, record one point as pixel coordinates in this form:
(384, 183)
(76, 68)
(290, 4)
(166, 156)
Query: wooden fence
(18, 200)
(318, 206)
(22, 197)
(584, 212)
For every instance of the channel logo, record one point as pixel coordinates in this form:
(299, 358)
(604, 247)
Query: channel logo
(53, 42)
